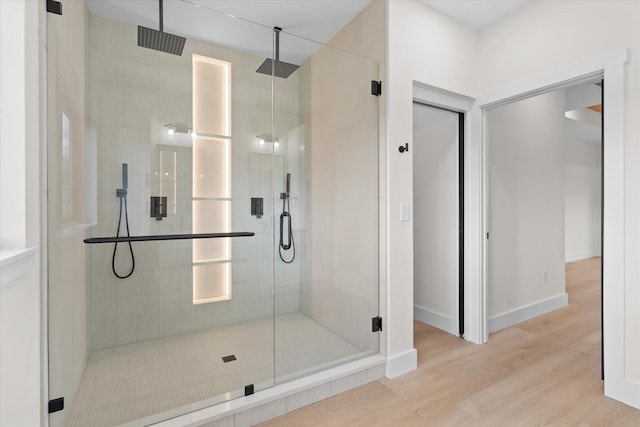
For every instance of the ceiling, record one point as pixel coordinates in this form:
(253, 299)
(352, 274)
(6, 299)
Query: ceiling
(247, 25)
(475, 13)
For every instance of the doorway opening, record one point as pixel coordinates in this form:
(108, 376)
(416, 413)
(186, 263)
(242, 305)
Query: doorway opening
(545, 212)
(438, 195)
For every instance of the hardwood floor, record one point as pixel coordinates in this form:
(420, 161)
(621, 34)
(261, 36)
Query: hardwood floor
(543, 372)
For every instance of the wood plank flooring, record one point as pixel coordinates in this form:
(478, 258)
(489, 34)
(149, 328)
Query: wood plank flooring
(543, 372)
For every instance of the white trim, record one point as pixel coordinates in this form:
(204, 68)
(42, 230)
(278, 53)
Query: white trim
(616, 384)
(577, 256)
(588, 69)
(434, 319)
(472, 191)
(15, 263)
(441, 98)
(611, 66)
(521, 314)
(401, 363)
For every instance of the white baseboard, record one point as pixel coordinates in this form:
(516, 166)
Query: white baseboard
(401, 363)
(577, 256)
(505, 320)
(434, 319)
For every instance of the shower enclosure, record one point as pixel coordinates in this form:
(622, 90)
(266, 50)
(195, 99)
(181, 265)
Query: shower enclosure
(212, 230)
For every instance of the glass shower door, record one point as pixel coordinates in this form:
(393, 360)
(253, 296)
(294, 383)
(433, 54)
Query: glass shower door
(163, 150)
(326, 231)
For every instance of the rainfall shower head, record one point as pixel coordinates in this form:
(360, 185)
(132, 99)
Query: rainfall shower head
(159, 40)
(279, 68)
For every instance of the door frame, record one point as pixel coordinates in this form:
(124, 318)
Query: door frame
(462, 105)
(610, 66)
(460, 165)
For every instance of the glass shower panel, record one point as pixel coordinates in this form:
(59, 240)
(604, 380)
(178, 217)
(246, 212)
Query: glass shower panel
(70, 209)
(147, 144)
(175, 152)
(326, 263)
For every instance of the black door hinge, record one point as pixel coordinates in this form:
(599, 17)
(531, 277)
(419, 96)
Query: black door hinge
(56, 405)
(248, 390)
(376, 88)
(54, 7)
(376, 324)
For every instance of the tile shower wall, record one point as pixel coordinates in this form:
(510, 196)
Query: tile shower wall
(340, 276)
(134, 92)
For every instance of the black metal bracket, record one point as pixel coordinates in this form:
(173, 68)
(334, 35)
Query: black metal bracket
(404, 147)
(376, 324)
(376, 88)
(54, 7)
(56, 405)
(248, 390)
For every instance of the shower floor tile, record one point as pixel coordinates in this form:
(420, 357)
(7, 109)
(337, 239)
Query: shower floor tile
(133, 381)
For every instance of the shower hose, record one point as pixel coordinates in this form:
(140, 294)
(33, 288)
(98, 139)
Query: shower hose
(290, 245)
(123, 202)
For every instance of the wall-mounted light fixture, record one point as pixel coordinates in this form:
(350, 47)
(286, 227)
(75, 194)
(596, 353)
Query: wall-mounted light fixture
(267, 139)
(181, 128)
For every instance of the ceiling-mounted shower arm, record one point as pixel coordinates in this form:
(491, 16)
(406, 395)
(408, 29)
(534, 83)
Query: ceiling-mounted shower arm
(277, 30)
(161, 18)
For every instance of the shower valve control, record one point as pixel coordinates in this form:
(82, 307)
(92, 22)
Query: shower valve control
(158, 207)
(257, 206)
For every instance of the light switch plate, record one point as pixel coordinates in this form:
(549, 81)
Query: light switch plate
(404, 212)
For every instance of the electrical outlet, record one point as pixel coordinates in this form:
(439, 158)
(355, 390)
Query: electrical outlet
(545, 277)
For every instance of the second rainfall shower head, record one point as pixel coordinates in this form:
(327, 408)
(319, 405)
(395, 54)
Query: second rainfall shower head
(275, 66)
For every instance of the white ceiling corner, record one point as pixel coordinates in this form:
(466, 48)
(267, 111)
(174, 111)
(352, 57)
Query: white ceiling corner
(475, 13)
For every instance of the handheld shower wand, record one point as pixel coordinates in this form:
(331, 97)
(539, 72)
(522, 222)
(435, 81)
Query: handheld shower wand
(121, 193)
(286, 216)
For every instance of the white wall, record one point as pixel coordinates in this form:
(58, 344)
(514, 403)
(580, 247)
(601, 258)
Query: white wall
(582, 190)
(435, 210)
(12, 108)
(526, 205)
(516, 48)
(427, 47)
(22, 355)
(19, 340)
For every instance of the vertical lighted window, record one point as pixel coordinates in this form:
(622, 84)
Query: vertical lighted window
(211, 203)
(67, 169)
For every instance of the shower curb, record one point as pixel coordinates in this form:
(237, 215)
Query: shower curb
(284, 398)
